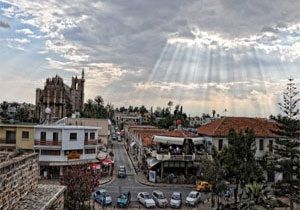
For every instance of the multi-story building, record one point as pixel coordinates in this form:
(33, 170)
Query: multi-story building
(60, 98)
(60, 145)
(176, 154)
(217, 131)
(104, 126)
(132, 117)
(19, 188)
(16, 136)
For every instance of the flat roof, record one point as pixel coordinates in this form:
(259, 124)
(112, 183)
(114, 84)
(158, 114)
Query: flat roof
(67, 127)
(41, 198)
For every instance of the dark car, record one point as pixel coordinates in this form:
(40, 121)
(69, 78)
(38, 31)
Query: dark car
(122, 172)
(124, 200)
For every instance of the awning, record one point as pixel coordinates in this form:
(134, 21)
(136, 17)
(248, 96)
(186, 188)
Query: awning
(152, 162)
(132, 144)
(198, 140)
(168, 140)
(107, 162)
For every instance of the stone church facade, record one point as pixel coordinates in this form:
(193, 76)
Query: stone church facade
(60, 98)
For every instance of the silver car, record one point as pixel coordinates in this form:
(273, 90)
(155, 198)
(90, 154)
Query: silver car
(145, 199)
(159, 198)
(176, 200)
(193, 198)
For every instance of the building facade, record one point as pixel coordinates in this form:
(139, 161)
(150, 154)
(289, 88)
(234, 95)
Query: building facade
(104, 126)
(217, 131)
(60, 146)
(19, 188)
(59, 97)
(16, 136)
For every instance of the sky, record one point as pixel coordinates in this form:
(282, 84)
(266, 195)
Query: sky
(203, 54)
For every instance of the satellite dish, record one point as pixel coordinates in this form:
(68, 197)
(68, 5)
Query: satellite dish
(48, 110)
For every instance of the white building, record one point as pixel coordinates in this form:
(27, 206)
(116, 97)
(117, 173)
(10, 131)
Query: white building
(61, 145)
(217, 131)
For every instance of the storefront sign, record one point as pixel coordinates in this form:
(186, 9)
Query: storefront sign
(152, 176)
(73, 155)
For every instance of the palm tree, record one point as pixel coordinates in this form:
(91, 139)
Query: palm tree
(99, 100)
(170, 104)
(256, 197)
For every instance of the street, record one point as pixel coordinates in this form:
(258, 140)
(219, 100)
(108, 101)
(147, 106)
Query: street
(130, 184)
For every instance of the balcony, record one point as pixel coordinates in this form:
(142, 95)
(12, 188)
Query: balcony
(47, 143)
(92, 142)
(7, 141)
(180, 157)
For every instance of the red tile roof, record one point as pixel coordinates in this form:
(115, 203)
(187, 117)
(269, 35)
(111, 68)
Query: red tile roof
(146, 136)
(220, 128)
(179, 133)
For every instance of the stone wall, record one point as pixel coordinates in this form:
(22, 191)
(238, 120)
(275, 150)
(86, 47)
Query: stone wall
(18, 176)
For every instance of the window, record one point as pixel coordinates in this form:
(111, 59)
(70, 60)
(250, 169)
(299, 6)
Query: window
(67, 152)
(43, 136)
(50, 152)
(270, 145)
(90, 151)
(92, 135)
(220, 146)
(73, 136)
(261, 144)
(86, 136)
(10, 137)
(55, 136)
(25, 135)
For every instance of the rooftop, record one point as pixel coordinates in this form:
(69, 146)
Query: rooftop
(179, 134)
(41, 198)
(262, 127)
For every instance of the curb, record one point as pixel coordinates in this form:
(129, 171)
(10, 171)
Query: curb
(108, 181)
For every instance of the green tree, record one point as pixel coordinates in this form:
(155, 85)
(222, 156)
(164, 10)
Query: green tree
(22, 114)
(4, 107)
(80, 182)
(286, 149)
(257, 197)
(239, 158)
(99, 100)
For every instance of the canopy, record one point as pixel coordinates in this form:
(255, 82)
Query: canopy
(177, 140)
(152, 162)
(107, 162)
(168, 140)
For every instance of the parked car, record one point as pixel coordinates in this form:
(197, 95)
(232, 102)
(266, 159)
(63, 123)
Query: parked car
(193, 198)
(145, 199)
(102, 197)
(203, 186)
(159, 198)
(176, 200)
(122, 172)
(124, 200)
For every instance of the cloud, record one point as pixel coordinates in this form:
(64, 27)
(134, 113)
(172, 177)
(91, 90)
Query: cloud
(185, 50)
(25, 31)
(4, 24)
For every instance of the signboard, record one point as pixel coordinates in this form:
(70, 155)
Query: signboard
(152, 176)
(73, 155)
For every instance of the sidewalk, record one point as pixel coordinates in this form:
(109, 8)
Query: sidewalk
(105, 180)
(142, 179)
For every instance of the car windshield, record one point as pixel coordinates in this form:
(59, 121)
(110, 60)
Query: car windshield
(192, 195)
(175, 197)
(160, 196)
(123, 197)
(146, 196)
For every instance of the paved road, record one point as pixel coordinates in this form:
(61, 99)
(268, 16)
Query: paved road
(129, 183)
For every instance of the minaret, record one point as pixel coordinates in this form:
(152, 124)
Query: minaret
(82, 88)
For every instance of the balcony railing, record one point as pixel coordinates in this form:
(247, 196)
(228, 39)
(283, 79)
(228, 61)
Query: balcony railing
(6, 141)
(47, 143)
(92, 142)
